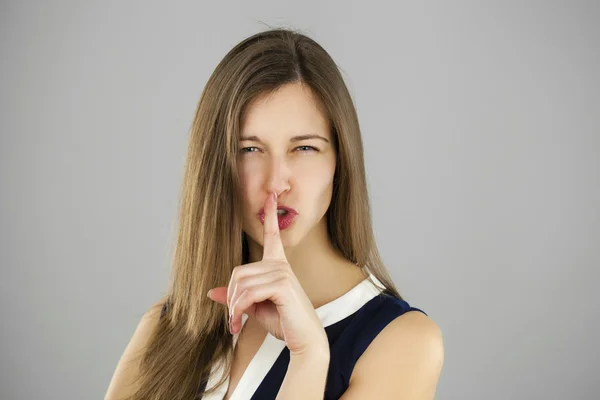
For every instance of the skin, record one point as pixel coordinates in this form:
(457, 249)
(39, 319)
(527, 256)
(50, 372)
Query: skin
(276, 168)
(269, 292)
(301, 173)
(404, 361)
(298, 266)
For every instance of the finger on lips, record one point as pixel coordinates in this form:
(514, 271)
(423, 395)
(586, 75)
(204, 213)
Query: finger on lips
(272, 250)
(272, 246)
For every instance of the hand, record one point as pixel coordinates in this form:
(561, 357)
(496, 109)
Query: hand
(269, 291)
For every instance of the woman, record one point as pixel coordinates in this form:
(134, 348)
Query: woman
(277, 287)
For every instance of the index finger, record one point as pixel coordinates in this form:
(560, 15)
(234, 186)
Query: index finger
(272, 246)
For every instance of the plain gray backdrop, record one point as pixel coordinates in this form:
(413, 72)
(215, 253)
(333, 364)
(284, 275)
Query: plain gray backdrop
(481, 125)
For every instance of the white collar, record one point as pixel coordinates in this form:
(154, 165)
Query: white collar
(329, 313)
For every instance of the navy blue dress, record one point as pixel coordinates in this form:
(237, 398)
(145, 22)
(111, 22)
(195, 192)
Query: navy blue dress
(351, 322)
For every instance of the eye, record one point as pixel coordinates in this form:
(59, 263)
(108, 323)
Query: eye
(309, 148)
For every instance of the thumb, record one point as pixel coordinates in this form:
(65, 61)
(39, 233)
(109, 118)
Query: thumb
(218, 294)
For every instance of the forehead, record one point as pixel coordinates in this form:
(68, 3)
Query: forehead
(290, 110)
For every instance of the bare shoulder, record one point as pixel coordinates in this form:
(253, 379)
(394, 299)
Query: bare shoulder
(127, 369)
(403, 361)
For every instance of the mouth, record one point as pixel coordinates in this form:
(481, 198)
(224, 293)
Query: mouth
(285, 216)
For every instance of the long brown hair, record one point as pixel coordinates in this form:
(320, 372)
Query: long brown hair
(193, 334)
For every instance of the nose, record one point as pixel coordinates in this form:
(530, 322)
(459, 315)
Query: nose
(277, 176)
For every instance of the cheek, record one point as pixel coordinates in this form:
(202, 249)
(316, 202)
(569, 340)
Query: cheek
(317, 185)
(315, 180)
(250, 183)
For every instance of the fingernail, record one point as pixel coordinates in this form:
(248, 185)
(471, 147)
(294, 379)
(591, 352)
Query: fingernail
(275, 196)
(208, 294)
(230, 327)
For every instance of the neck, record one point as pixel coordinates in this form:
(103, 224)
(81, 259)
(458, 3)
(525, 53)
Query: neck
(323, 272)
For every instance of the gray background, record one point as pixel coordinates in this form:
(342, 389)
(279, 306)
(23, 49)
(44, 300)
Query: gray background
(482, 134)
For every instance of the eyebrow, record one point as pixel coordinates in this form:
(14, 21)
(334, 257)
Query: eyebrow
(293, 139)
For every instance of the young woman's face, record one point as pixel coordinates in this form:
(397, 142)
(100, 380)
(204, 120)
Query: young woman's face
(274, 157)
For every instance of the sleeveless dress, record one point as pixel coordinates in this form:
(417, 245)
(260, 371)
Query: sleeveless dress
(351, 322)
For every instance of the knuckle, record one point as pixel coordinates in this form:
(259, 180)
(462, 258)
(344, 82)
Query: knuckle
(285, 266)
(242, 284)
(284, 274)
(248, 294)
(284, 283)
(237, 273)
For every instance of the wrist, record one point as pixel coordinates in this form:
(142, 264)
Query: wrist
(312, 354)
(306, 376)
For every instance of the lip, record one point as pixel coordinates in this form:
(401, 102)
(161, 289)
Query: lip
(284, 221)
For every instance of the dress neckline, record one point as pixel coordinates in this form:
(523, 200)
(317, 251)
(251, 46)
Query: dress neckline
(268, 352)
(342, 306)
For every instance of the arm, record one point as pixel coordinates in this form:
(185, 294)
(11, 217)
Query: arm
(305, 378)
(123, 382)
(403, 362)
